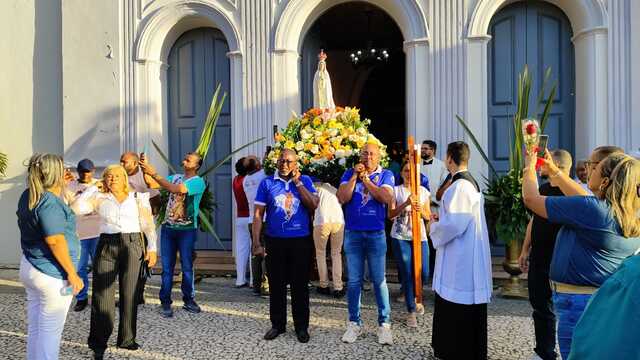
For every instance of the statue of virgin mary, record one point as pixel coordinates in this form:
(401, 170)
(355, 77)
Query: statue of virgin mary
(322, 94)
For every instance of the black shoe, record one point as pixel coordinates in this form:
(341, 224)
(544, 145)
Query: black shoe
(323, 290)
(241, 286)
(167, 312)
(303, 336)
(272, 334)
(132, 346)
(256, 292)
(141, 301)
(80, 305)
(338, 293)
(191, 307)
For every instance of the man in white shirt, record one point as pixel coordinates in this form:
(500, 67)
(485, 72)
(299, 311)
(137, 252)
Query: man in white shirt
(250, 183)
(434, 169)
(328, 223)
(462, 276)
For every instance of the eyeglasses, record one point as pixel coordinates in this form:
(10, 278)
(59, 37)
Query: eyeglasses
(288, 162)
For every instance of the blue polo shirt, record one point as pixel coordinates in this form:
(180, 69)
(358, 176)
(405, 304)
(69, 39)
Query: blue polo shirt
(589, 246)
(286, 216)
(363, 212)
(51, 216)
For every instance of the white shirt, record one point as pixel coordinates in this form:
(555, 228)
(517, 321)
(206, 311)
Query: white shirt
(436, 172)
(250, 185)
(87, 226)
(462, 272)
(329, 210)
(133, 215)
(401, 228)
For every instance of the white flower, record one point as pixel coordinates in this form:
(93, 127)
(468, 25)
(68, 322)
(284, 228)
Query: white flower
(333, 132)
(340, 153)
(361, 131)
(353, 137)
(299, 145)
(342, 161)
(304, 134)
(315, 149)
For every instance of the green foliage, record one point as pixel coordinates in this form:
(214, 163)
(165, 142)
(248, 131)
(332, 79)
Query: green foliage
(4, 163)
(210, 123)
(503, 195)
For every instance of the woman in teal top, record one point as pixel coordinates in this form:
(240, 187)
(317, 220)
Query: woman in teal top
(598, 233)
(49, 255)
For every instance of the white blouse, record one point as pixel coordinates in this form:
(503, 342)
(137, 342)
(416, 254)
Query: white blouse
(133, 215)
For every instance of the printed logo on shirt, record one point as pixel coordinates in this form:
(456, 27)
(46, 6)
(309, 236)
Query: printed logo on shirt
(288, 204)
(179, 207)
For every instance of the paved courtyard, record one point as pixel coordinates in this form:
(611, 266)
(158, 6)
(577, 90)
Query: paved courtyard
(233, 321)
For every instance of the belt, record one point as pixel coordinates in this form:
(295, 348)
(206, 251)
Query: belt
(572, 289)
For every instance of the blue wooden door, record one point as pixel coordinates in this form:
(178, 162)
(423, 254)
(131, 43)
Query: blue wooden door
(539, 35)
(197, 63)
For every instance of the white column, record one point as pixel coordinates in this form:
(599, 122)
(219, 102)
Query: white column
(477, 117)
(151, 110)
(286, 86)
(635, 75)
(592, 125)
(238, 120)
(417, 73)
(619, 73)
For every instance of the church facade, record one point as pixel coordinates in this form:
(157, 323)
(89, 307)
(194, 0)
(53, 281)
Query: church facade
(94, 80)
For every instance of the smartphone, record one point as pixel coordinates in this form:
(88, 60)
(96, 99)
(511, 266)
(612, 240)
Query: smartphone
(543, 140)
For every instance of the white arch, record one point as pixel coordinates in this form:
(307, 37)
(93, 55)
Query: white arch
(165, 25)
(584, 15)
(299, 15)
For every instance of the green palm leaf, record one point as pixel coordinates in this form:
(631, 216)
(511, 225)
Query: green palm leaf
(219, 163)
(477, 144)
(4, 163)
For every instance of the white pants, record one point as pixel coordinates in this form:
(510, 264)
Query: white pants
(243, 249)
(46, 311)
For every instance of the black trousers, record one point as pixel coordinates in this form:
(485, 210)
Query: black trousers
(258, 268)
(544, 319)
(288, 261)
(459, 331)
(118, 256)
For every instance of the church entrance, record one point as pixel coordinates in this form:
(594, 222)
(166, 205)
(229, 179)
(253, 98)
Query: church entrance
(366, 63)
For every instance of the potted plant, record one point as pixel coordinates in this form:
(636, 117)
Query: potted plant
(503, 195)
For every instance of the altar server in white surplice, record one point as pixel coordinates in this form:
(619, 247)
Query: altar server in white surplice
(462, 276)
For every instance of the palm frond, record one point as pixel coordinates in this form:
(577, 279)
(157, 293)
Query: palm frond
(210, 123)
(4, 163)
(219, 163)
(544, 117)
(164, 157)
(477, 144)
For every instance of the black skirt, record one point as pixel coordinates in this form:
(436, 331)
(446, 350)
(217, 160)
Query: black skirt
(459, 331)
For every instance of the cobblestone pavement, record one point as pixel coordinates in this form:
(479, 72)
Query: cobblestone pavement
(233, 321)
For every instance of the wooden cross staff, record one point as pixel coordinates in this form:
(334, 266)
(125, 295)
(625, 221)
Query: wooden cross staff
(416, 218)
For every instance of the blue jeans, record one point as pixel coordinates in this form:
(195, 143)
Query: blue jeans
(403, 251)
(87, 252)
(569, 309)
(371, 245)
(171, 242)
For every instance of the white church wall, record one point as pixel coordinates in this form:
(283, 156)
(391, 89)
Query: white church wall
(31, 101)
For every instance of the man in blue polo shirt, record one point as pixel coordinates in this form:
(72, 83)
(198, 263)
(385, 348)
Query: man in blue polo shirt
(365, 192)
(288, 199)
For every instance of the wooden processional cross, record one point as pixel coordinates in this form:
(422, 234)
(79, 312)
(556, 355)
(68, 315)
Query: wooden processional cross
(416, 218)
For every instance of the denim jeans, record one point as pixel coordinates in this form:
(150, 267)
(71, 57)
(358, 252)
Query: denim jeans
(371, 245)
(569, 309)
(403, 251)
(87, 252)
(171, 242)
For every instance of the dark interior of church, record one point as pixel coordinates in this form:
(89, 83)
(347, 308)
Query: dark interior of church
(372, 80)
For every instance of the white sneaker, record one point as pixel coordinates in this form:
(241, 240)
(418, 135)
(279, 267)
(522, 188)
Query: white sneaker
(353, 331)
(384, 334)
(412, 320)
(536, 357)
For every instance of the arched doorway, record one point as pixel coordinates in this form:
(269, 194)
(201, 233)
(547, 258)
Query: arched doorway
(538, 34)
(376, 87)
(197, 64)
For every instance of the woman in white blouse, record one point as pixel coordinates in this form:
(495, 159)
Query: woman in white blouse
(401, 238)
(124, 216)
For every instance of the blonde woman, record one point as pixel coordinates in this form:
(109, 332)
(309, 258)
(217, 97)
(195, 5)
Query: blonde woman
(119, 255)
(50, 251)
(598, 232)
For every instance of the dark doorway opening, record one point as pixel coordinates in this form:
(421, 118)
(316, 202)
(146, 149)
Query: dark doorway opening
(376, 87)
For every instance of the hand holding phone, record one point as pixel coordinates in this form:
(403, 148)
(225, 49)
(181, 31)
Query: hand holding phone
(543, 141)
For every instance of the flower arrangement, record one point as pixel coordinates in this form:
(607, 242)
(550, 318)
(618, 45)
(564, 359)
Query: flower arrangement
(530, 134)
(327, 142)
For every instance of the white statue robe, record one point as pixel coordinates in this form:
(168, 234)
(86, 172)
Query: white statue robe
(322, 91)
(462, 273)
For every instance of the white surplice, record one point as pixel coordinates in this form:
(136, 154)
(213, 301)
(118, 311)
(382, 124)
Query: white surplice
(462, 271)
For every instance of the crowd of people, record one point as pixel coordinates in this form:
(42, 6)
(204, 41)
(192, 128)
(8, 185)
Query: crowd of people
(578, 251)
